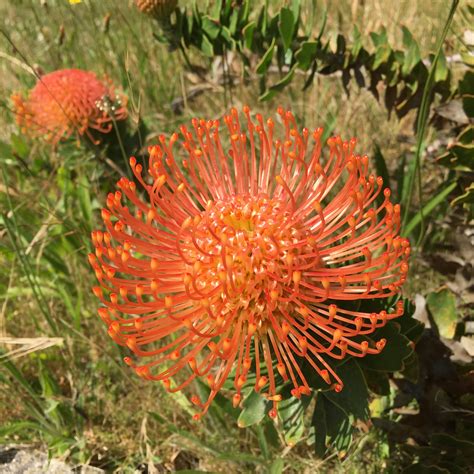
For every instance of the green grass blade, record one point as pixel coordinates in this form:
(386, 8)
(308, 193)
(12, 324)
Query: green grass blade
(12, 231)
(422, 121)
(27, 270)
(427, 209)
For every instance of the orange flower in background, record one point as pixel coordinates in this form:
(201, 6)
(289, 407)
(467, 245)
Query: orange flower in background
(157, 8)
(242, 260)
(66, 102)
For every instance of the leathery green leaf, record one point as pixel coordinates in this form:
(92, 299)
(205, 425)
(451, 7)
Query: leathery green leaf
(254, 408)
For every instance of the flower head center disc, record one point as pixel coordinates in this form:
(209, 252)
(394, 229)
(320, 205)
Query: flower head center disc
(240, 255)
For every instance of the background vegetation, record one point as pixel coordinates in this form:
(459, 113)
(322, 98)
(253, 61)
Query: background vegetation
(62, 382)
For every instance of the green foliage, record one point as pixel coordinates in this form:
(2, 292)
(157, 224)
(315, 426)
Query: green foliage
(459, 157)
(291, 412)
(335, 414)
(254, 408)
(54, 417)
(398, 350)
(428, 208)
(237, 457)
(254, 32)
(421, 123)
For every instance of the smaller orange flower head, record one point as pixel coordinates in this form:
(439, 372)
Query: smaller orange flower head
(66, 102)
(242, 263)
(156, 8)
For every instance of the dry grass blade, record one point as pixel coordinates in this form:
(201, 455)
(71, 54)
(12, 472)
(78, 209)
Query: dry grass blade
(9, 190)
(18, 63)
(27, 345)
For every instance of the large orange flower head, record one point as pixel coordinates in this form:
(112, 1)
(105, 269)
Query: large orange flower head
(67, 102)
(241, 262)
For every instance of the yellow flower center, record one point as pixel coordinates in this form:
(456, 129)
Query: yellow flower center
(241, 257)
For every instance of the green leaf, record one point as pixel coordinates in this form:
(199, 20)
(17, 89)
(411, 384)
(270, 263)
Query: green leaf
(280, 85)
(262, 439)
(49, 386)
(248, 34)
(409, 327)
(286, 25)
(383, 50)
(263, 18)
(464, 153)
(466, 88)
(291, 412)
(379, 39)
(340, 44)
(377, 382)
(215, 10)
(254, 408)
(339, 426)
(206, 47)
(226, 36)
(20, 380)
(411, 369)
(353, 398)
(234, 18)
(356, 42)
(467, 58)
(466, 198)
(19, 426)
(428, 208)
(320, 427)
(460, 153)
(296, 8)
(271, 434)
(190, 24)
(381, 56)
(412, 54)
(306, 54)
(378, 406)
(210, 27)
(19, 146)
(441, 71)
(332, 426)
(262, 66)
(397, 348)
(442, 307)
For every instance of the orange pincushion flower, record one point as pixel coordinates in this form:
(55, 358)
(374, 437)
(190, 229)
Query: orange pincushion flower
(69, 101)
(157, 8)
(236, 263)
